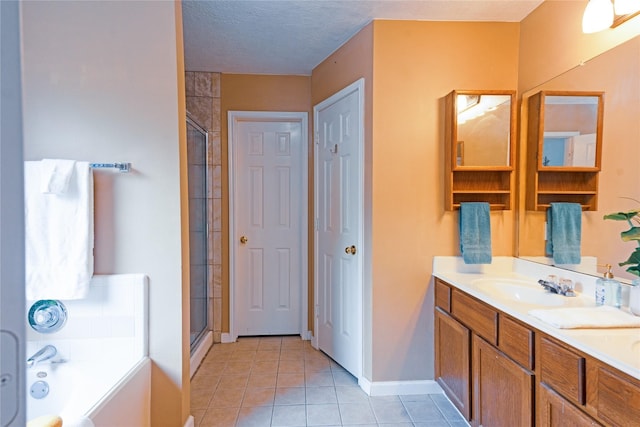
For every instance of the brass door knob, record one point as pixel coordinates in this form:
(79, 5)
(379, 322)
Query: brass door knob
(350, 250)
(243, 239)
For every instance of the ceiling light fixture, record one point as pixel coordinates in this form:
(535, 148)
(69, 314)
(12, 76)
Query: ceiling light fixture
(625, 7)
(602, 14)
(598, 15)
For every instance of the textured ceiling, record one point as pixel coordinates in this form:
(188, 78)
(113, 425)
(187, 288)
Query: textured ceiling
(292, 37)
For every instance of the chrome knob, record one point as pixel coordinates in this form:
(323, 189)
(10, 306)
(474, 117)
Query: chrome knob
(350, 250)
(243, 239)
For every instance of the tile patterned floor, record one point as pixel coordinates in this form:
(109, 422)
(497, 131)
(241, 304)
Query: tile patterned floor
(284, 382)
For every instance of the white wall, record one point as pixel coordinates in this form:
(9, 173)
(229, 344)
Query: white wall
(101, 83)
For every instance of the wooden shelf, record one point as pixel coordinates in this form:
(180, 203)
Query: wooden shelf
(569, 184)
(493, 184)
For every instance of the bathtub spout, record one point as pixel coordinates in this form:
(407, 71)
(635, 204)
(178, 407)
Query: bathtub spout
(45, 353)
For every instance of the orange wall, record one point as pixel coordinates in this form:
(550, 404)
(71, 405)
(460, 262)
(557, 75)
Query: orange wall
(352, 61)
(242, 92)
(416, 64)
(555, 50)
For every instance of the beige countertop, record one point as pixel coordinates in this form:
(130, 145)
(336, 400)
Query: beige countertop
(492, 284)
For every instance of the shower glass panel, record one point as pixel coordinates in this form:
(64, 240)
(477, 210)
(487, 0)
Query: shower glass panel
(197, 155)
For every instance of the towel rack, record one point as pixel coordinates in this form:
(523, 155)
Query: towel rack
(122, 167)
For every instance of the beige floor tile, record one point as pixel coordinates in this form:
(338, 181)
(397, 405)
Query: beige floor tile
(198, 414)
(289, 416)
(268, 354)
(201, 399)
(262, 380)
(233, 381)
(292, 366)
(290, 380)
(256, 416)
(295, 354)
(258, 397)
(290, 396)
(265, 367)
(204, 383)
(227, 398)
(244, 355)
(219, 417)
(237, 367)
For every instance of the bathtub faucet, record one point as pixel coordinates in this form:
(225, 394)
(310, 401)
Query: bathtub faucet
(45, 353)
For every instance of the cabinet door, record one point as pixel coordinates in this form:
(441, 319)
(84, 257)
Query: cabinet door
(502, 390)
(452, 360)
(555, 411)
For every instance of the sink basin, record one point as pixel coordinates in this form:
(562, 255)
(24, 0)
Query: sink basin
(521, 291)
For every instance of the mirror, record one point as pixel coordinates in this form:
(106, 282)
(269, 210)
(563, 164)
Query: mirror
(572, 130)
(482, 129)
(616, 73)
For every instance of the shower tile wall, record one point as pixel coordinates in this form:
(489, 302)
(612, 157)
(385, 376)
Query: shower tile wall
(203, 103)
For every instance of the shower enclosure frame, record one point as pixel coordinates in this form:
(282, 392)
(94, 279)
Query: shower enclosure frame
(196, 340)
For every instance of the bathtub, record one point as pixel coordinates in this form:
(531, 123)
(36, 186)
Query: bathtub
(101, 375)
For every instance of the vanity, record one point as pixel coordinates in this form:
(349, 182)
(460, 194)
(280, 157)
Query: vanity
(500, 366)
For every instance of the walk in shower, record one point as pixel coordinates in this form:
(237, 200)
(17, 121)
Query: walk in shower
(197, 138)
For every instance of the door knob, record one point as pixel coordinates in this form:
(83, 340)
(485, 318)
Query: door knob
(350, 250)
(243, 239)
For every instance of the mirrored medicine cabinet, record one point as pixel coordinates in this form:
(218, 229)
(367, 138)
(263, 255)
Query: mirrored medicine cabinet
(564, 140)
(479, 148)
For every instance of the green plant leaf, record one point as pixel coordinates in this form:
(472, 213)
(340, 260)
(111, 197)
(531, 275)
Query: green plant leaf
(634, 269)
(631, 234)
(634, 259)
(623, 216)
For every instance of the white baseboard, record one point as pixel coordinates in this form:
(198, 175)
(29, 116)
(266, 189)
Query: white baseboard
(390, 388)
(201, 351)
(190, 422)
(306, 335)
(227, 338)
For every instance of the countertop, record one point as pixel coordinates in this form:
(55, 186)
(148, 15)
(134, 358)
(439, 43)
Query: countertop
(618, 347)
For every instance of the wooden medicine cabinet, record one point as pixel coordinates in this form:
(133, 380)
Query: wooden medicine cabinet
(564, 146)
(479, 148)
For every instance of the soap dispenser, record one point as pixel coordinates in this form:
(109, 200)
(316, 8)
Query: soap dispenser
(608, 289)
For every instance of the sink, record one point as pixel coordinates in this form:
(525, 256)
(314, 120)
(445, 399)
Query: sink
(521, 291)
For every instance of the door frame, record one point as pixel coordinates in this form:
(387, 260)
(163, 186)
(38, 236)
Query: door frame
(234, 117)
(357, 86)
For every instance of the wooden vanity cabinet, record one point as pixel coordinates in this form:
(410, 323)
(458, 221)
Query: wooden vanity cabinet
(498, 371)
(555, 411)
(482, 382)
(502, 389)
(452, 361)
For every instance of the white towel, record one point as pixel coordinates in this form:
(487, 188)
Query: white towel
(55, 175)
(59, 235)
(587, 317)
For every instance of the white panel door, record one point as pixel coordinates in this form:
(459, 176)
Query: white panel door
(584, 150)
(269, 210)
(339, 182)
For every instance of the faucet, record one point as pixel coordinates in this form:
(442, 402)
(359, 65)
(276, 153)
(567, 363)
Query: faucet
(557, 288)
(45, 353)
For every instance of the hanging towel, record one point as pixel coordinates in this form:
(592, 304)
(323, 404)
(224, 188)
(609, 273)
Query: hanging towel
(59, 235)
(564, 232)
(55, 175)
(587, 317)
(475, 233)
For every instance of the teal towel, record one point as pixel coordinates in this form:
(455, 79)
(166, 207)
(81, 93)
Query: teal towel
(475, 233)
(564, 232)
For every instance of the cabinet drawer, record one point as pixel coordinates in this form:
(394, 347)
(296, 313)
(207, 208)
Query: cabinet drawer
(443, 295)
(618, 399)
(563, 370)
(476, 315)
(516, 341)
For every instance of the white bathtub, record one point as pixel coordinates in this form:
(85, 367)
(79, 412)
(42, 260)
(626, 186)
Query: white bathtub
(101, 374)
(90, 394)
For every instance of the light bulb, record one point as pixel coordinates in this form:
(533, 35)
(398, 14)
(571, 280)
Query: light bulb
(598, 15)
(624, 7)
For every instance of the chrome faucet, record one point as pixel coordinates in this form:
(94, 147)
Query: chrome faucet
(558, 288)
(45, 353)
